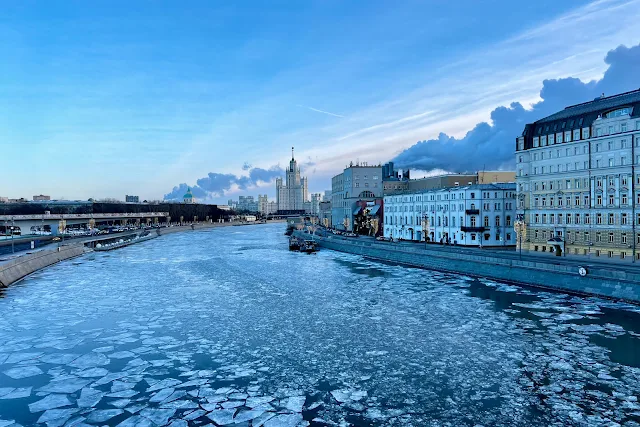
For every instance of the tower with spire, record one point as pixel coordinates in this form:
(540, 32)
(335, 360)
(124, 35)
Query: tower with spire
(292, 193)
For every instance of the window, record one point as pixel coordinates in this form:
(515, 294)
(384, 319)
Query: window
(624, 219)
(486, 221)
(473, 221)
(598, 237)
(623, 238)
(611, 162)
(508, 221)
(497, 221)
(598, 218)
(611, 219)
(599, 200)
(625, 199)
(508, 236)
(611, 199)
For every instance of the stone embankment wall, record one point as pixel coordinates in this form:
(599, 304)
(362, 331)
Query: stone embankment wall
(607, 281)
(22, 266)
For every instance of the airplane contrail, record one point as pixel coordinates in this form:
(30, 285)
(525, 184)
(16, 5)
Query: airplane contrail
(321, 111)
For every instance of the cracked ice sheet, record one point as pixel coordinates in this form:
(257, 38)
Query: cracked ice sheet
(23, 372)
(51, 401)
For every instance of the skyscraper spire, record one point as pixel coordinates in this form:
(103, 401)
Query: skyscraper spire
(292, 153)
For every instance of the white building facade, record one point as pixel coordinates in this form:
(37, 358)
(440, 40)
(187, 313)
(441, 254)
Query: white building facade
(476, 215)
(578, 182)
(293, 193)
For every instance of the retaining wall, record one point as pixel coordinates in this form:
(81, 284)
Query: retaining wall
(22, 266)
(610, 282)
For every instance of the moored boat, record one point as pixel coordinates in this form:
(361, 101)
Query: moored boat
(309, 246)
(294, 243)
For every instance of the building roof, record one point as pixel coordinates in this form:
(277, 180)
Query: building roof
(584, 114)
(497, 186)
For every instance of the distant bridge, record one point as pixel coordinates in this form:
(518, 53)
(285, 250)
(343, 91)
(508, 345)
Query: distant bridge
(28, 223)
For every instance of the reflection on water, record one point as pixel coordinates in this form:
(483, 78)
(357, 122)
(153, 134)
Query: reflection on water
(228, 326)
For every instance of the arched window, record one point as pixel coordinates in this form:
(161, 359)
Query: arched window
(367, 195)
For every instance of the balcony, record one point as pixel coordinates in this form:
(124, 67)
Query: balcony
(470, 229)
(472, 211)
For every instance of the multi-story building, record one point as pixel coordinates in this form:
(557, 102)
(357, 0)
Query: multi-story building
(578, 183)
(127, 198)
(263, 204)
(292, 194)
(359, 182)
(41, 198)
(324, 213)
(248, 204)
(313, 207)
(472, 215)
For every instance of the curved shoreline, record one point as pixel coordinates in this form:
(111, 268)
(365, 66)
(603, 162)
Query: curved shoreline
(20, 267)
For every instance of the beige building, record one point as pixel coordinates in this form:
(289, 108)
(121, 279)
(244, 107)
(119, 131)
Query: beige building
(578, 186)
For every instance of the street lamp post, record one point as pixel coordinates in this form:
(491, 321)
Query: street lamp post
(13, 250)
(521, 221)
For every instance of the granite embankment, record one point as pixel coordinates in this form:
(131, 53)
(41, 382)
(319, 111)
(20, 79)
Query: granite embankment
(20, 267)
(611, 281)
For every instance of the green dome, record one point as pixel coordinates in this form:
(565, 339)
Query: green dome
(188, 194)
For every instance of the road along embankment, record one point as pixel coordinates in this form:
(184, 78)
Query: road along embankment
(20, 267)
(601, 280)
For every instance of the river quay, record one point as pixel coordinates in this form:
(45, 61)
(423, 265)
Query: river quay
(228, 327)
(597, 278)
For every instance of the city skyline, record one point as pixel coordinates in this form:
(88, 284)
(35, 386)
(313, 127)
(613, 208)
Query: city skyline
(151, 103)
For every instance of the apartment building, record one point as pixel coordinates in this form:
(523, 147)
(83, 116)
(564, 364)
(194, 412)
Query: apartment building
(471, 215)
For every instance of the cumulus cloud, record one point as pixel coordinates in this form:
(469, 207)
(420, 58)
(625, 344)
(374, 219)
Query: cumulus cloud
(491, 145)
(217, 184)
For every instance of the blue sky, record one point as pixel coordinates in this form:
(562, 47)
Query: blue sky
(107, 98)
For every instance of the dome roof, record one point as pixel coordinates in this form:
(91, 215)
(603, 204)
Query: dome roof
(188, 194)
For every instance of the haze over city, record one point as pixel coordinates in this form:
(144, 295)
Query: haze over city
(102, 101)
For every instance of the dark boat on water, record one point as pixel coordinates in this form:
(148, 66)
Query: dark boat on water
(294, 244)
(309, 246)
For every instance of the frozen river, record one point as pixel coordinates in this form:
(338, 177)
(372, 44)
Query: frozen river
(228, 327)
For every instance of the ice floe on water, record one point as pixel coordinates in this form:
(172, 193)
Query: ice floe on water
(186, 334)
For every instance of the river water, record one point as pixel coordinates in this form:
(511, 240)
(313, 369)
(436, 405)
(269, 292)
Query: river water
(227, 326)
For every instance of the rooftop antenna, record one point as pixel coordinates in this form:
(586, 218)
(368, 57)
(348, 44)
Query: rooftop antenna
(292, 153)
